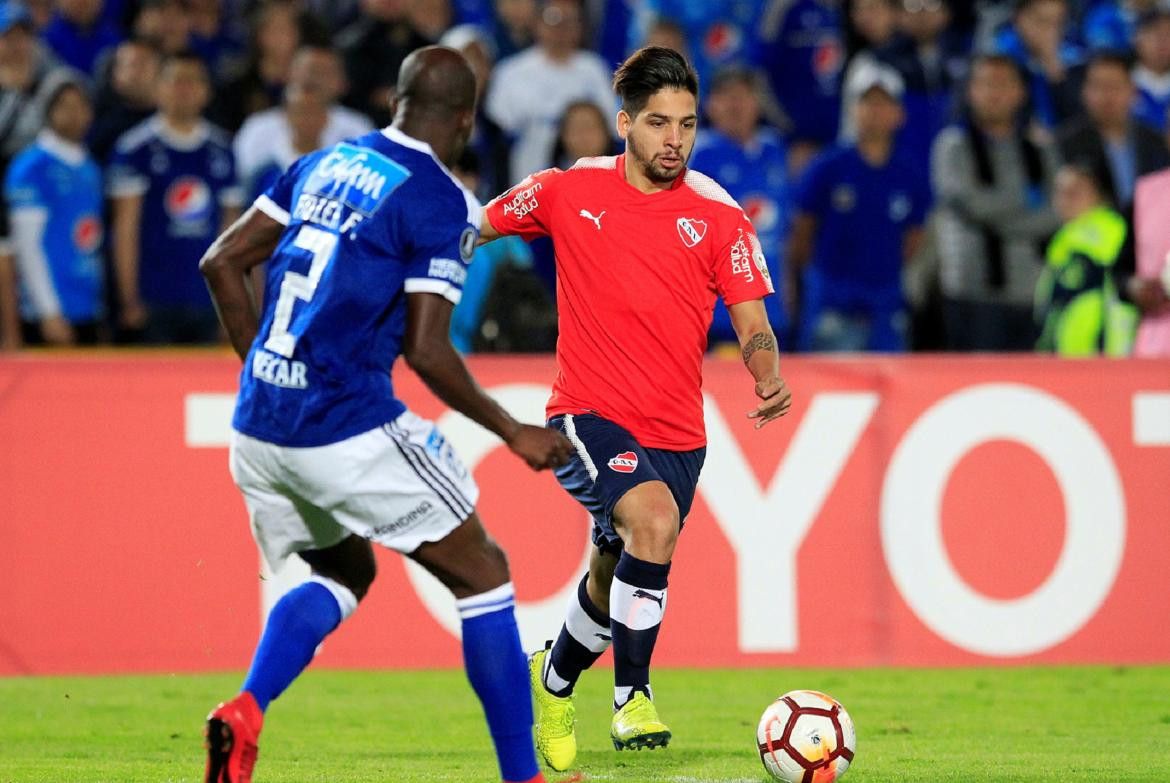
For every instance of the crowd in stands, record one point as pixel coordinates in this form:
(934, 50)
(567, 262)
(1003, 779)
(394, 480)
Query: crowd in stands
(987, 175)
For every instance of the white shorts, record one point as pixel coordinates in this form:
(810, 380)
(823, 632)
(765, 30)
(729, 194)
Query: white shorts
(400, 485)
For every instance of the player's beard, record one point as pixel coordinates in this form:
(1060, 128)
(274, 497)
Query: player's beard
(651, 168)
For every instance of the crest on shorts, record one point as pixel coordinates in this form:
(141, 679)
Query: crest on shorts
(626, 462)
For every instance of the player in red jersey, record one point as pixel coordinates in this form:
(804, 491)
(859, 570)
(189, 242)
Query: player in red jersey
(643, 247)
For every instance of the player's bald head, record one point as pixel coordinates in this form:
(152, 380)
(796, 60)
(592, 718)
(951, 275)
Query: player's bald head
(437, 78)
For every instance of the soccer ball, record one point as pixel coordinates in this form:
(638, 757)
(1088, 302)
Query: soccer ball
(806, 737)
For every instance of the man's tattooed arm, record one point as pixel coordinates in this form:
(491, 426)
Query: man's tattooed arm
(760, 341)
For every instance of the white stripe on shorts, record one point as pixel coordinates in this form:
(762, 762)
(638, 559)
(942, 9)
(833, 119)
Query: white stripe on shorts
(582, 452)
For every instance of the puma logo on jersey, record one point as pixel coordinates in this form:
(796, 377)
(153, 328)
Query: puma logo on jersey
(596, 220)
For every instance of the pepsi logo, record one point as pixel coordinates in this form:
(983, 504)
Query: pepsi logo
(187, 198)
(762, 211)
(721, 41)
(626, 462)
(87, 234)
(827, 59)
(691, 231)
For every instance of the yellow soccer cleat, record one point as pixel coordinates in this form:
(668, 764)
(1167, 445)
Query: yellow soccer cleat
(556, 737)
(636, 725)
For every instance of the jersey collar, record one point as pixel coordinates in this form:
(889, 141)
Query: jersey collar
(60, 148)
(399, 137)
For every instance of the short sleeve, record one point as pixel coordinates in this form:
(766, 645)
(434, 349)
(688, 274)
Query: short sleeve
(812, 191)
(442, 243)
(276, 201)
(526, 209)
(21, 187)
(741, 271)
(126, 175)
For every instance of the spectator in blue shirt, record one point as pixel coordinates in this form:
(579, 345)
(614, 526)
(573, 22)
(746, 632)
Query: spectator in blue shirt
(720, 32)
(1112, 24)
(55, 199)
(79, 35)
(1037, 41)
(173, 185)
(1152, 74)
(749, 162)
(859, 215)
(802, 51)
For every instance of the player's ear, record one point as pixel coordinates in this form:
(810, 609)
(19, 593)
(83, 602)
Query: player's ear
(624, 121)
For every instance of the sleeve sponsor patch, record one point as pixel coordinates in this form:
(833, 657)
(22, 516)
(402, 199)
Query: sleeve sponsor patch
(741, 258)
(447, 269)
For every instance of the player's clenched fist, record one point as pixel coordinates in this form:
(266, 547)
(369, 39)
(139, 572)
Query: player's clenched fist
(540, 447)
(777, 399)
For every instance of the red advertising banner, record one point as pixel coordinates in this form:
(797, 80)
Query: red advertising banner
(909, 511)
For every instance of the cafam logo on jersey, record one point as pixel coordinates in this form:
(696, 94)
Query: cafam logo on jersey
(691, 230)
(359, 178)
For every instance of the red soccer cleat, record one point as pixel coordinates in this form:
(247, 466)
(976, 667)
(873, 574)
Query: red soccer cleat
(232, 730)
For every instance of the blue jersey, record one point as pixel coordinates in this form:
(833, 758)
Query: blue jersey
(1152, 101)
(862, 216)
(368, 221)
(802, 51)
(58, 187)
(756, 176)
(184, 184)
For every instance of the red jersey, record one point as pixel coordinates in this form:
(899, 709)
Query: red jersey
(637, 277)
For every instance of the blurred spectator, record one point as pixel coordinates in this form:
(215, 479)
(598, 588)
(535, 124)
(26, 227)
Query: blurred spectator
(859, 215)
(529, 91)
(872, 24)
(1152, 74)
(488, 140)
(749, 162)
(583, 132)
(1078, 302)
(1150, 287)
(803, 54)
(40, 12)
(512, 251)
(430, 18)
(1111, 24)
(213, 37)
(276, 36)
(932, 64)
(28, 76)
(374, 48)
(668, 34)
(173, 184)
(720, 32)
(515, 26)
(10, 338)
(166, 24)
(128, 96)
(267, 138)
(1037, 41)
(79, 35)
(54, 191)
(1118, 148)
(992, 181)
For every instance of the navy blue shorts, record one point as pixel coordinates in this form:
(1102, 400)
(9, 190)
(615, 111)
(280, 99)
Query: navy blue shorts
(608, 462)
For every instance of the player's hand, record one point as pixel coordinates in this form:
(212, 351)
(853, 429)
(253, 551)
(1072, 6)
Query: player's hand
(57, 331)
(777, 399)
(540, 447)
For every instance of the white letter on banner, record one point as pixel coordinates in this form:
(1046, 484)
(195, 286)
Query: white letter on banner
(912, 535)
(538, 620)
(767, 527)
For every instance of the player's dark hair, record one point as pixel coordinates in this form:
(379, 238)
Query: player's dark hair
(648, 70)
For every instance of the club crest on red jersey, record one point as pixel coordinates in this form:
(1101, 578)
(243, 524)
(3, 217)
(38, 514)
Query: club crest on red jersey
(626, 462)
(692, 231)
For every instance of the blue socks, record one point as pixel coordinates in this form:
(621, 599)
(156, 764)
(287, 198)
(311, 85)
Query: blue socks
(498, 672)
(637, 601)
(298, 623)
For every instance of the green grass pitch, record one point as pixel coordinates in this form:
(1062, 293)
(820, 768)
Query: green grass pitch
(995, 725)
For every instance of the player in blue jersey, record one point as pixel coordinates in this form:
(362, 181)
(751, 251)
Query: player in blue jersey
(367, 244)
(54, 195)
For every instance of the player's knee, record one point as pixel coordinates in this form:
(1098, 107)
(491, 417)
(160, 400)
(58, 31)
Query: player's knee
(656, 531)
